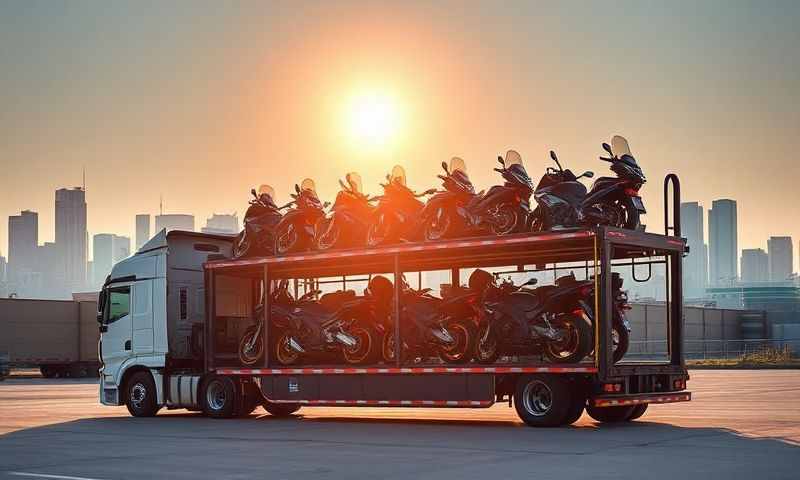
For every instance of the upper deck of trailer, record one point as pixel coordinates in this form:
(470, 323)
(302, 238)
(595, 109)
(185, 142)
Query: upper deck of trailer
(580, 245)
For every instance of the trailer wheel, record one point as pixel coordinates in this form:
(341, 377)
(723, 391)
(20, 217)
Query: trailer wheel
(250, 400)
(542, 400)
(578, 404)
(638, 411)
(218, 397)
(610, 414)
(140, 395)
(281, 409)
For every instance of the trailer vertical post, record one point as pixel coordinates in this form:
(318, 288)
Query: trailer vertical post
(211, 316)
(398, 347)
(603, 320)
(676, 310)
(267, 315)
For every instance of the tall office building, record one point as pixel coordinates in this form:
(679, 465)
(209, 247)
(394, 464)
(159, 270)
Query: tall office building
(107, 249)
(71, 236)
(222, 223)
(755, 265)
(695, 273)
(722, 242)
(142, 229)
(174, 221)
(23, 237)
(3, 267)
(781, 263)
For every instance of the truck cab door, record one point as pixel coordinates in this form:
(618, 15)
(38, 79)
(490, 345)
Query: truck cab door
(116, 337)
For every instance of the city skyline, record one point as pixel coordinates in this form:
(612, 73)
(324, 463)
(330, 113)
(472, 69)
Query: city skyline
(221, 103)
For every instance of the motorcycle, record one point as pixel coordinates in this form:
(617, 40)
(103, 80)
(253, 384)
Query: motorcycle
(430, 326)
(620, 326)
(516, 320)
(459, 211)
(396, 216)
(262, 216)
(564, 202)
(336, 324)
(349, 220)
(295, 232)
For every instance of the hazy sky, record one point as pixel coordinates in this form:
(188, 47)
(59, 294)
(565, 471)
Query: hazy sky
(200, 101)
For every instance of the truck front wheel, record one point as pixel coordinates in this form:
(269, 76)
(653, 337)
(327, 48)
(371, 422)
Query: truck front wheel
(218, 397)
(140, 395)
(542, 400)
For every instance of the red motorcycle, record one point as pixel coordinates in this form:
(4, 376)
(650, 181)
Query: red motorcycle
(395, 219)
(295, 232)
(349, 220)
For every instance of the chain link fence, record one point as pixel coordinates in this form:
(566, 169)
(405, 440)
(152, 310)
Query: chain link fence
(717, 349)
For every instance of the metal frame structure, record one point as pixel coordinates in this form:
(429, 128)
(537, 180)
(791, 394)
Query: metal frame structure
(601, 246)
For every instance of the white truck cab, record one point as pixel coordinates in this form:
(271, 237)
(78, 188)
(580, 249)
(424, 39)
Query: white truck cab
(151, 313)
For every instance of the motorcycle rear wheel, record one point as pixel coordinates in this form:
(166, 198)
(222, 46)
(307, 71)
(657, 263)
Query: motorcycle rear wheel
(250, 356)
(364, 350)
(576, 345)
(463, 348)
(283, 353)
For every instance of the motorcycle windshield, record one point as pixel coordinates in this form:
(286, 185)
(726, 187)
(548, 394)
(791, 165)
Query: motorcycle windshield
(309, 185)
(354, 182)
(457, 163)
(267, 190)
(619, 146)
(398, 175)
(513, 158)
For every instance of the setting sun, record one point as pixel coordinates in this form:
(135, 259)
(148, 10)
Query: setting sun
(373, 119)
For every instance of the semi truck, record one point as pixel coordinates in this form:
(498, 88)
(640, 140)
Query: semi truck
(57, 336)
(171, 317)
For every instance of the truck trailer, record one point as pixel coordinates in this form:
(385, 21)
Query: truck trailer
(57, 336)
(171, 317)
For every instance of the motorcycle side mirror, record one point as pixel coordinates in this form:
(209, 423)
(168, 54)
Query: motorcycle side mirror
(444, 166)
(553, 156)
(429, 191)
(253, 192)
(531, 281)
(587, 174)
(501, 161)
(297, 188)
(607, 148)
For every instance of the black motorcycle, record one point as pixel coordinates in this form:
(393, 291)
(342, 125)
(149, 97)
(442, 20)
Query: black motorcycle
(296, 230)
(396, 217)
(519, 321)
(430, 326)
(349, 219)
(262, 216)
(337, 324)
(563, 200)
(620, 326)
(458, 211)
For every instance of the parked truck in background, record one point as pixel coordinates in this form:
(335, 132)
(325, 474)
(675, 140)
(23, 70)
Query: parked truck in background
(57, 336)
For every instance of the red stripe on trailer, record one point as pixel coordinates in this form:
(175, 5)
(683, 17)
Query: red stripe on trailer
(407, 371)
(393, 403)
(398, 249)
(617, 402)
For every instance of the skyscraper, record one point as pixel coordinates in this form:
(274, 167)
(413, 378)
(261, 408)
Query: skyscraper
(222, 223)
(755, 265)
(174, 221)
(23, 237)
(781, 263)
(722, 242)
(695, 275)
(71, 236)
(107, 249)
(142, 229)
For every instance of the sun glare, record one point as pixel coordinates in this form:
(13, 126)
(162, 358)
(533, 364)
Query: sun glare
(372, 119)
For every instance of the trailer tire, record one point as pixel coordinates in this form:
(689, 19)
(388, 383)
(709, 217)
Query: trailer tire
(638, 411)
(610, 414)
(218, 397)
(250, 400)
(281, 409)
(542, 400)
(578, 404)
(140, 395)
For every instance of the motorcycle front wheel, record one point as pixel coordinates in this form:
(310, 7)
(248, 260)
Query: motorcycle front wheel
(621, 340)
(632, 220)
(464, 336)
(287, 240)
(241, 245)
(540, 220)
(506, 220)
(439, 225)
(576, 341)
(486, 346)
(380, 232)
(329, 236)
(250, 349)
